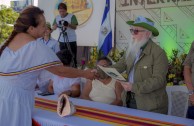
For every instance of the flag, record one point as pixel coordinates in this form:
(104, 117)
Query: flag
(105, 35)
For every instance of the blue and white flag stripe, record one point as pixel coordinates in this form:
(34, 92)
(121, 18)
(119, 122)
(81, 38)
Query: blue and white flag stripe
(105, 35)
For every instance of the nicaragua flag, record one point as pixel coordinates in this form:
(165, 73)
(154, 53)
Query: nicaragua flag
(105, 36)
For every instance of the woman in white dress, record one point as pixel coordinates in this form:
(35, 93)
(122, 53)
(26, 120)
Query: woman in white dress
(22, 58)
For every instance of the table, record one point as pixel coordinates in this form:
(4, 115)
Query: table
(91, 113)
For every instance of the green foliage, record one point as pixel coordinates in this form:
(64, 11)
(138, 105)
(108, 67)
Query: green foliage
(93, 57)
(175, 67)
(7, 18)
(115, 54)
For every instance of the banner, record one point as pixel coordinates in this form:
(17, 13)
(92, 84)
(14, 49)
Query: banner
(147, 4)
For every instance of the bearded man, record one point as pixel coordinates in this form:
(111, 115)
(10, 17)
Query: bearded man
(146, 64)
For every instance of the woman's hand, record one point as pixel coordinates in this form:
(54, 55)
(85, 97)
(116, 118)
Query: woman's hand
(90, 74)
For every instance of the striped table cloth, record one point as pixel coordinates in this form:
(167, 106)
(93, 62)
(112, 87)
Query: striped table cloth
(104, 116)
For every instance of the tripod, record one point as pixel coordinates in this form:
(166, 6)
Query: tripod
(66, 42)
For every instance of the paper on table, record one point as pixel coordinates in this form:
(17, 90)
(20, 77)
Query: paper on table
(112, 72)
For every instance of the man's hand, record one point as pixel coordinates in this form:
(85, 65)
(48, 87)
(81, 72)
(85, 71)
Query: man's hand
(126, 85)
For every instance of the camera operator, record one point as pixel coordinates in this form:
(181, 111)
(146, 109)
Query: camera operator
(67, 24)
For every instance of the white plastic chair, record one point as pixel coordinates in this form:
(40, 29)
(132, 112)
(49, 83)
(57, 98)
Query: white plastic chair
(178, 100)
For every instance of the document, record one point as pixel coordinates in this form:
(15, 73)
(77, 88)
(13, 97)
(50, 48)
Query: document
(112, 72)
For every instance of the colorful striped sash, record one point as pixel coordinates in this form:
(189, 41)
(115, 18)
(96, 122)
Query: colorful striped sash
(34, 68)
(103, 115)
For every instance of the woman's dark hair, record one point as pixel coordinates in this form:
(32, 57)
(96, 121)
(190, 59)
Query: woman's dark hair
(28, 17)
(65, 56)
(106, 59)
(62, 6)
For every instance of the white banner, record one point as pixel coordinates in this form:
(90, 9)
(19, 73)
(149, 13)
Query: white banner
(145, 4)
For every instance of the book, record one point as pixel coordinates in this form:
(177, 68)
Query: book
(112, 72)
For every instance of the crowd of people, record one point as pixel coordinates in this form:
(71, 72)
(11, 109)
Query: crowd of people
(32, 58)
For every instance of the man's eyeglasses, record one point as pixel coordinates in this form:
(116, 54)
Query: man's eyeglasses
(136, 31)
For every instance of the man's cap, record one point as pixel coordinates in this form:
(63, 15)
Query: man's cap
(146, 23)
(48, 25)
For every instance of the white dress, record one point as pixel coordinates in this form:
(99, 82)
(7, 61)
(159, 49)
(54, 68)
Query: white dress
(18, 74)
(103, 93)
(61, 84)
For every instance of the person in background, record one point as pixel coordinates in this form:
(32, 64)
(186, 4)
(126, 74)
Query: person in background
(104, 89)
(146, 65)
(22, 58)
(48, 40)
(67, 24)
(45, 76)
(189, 79)
(63, 85)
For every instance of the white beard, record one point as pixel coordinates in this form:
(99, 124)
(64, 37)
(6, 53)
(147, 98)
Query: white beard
(135, 46)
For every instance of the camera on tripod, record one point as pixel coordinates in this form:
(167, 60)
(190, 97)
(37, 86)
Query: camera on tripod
(63, 35)
(63, 23)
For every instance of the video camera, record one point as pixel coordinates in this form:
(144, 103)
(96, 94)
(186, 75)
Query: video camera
(63, 23)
